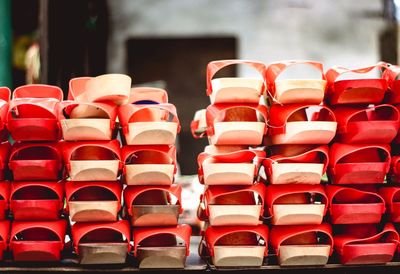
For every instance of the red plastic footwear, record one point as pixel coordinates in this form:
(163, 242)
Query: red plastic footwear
(4, 158)
(4, 200)
(93, 201)
(365, 244)
(33, 201)
(153, 205)
(5, 94)
(356, 90)
(297, 245)
(40, 241)
(229, 165)
(4, 236)
(87, 121)
(233, 205)
(92, 160)
(301, 124)
(392, 199)
(149, 124)
(162, 247)
(236, 246)
(102, 243)
(296, 204)
(149, 165)
(351, 206)
(296, 164)
(367, 125)
(235, 89)
(394, 173)
(32, 115)
(231, 124)
(358, 164)
(35, 161)
(393, 93)
(293, 91)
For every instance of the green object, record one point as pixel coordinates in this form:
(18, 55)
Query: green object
(5, 43)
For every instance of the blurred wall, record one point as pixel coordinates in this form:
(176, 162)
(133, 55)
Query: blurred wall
(339, 32)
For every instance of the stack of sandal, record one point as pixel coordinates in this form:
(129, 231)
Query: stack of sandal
(233, 201)
(301, 127)
(152, 201)
(36, 195)
(359, 161)
(93, 166)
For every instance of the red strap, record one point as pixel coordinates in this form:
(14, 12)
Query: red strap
(345, 113)
(68, 106)
(38, 91)
(77, 87)
(215, 66)
(338, 151)
(388, 194)
(58, 227)
(131, 193)
(79, 230)
(345, 195)
(279, 114)
(182, 231)
(157, 95)
(333, 73)
(214, 233)
(279, 234)
(273, 192)
(128, 151)
(355, 238)
(5, 94)
(20, 146)
(114, 187)
(276, 68)
(125, 113)
(55, 187)
(5, 230)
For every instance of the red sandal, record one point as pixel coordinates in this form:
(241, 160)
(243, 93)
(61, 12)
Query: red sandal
(162, 247)
(235, 89)
(368, 125)
(394, 173)
(33, 201)
(236, 246)
(93, 201)
(366, 244)
(352, 206)
(101, 243)
(393, 93)
(4, 236)
(296, 164)
(355, 90)
(4, 200)
(5, 94)
(39, 241)
(4, 158)
(229, 165)
(293, 91)
(153, 205)
(222, 205)
(32, 115)
(296, 204)
(35, 161)
(392, 200)
(92, 161)
(149, 165)
(358, 164)
(301, 124)
(297, 245)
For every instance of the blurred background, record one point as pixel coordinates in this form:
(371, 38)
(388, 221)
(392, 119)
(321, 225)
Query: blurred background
(167, 43)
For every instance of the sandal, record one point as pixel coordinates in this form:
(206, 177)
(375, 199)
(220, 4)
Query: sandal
(296, 204)
(4, 158)
(101, 243)
(358, 164)
(5, 94)
(293, 91)
(296, 164)
(149, 165)
(355, 90)
(4, 202)
(162, 247)
(39, 241)
(235, 89)
(229, 165)
(4, 236)
(233, 205)
(93, 201)
(34, 201)
(367, 125)
(32, 115)
(302, 245)
(153, 205)
(352, 206)
(392, 200)
(393, 93)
